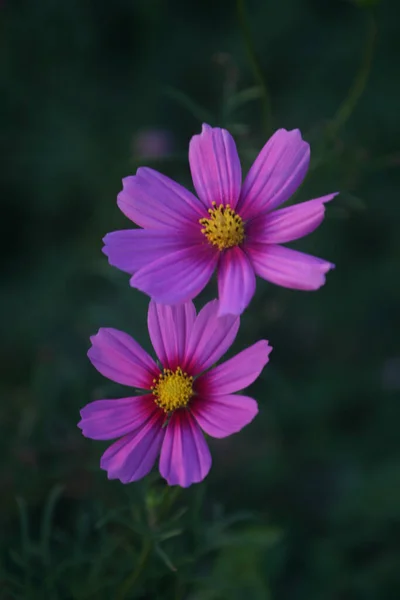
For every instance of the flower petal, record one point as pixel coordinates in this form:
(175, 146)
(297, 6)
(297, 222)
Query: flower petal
(210, 338)
(288, 224)
(170, 328)
(288, 268)
(185, 457)
(110, 419)
(221, 416)
(276, 173)
(179, 276)
(236, 282)
(120, 358)
(236, 373)
(133, 456)
(132, 249)
(215, 166)
(154, 201)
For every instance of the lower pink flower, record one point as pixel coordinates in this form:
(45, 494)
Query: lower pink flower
(182, 398)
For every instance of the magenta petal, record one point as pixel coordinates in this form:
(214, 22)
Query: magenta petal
(288, 268)
(236, 373)
(276, 173)
(236, 282)
(153, 201)
(215, 166)
(133, 456)
(170, 328)
(288, 224)
(132, 249)
(221, 416)
(177, 277)
(117, 356)
(210, 338)
(185, 457)
(110, 419)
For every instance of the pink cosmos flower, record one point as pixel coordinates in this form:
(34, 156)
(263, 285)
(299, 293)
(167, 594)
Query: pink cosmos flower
(230, 226)
(182, 397)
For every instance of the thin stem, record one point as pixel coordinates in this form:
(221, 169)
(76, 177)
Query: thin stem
(171, 495)
(360, 81)
(131, 580)
(255, 65)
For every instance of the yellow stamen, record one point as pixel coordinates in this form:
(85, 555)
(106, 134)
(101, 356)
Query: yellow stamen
(224, 228)
(172, 389)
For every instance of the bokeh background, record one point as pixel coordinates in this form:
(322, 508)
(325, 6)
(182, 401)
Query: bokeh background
(305, 503)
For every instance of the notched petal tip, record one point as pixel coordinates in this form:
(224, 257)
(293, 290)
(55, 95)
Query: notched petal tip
(329, 267)
(295, 136)
(319, 283)
(93, 338)
(206, 127)
(266, 347)
(142, 172)
(293, 133)
(126, 180)
(296, 132)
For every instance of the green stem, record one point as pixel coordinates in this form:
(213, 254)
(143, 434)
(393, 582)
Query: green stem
(134, 576)
(255, 65)
(360, 81)
(171, 494)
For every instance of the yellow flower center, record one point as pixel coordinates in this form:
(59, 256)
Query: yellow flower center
(224, 228)
(172, 389)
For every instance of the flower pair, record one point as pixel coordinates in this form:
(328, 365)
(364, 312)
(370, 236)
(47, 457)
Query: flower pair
(230, 227)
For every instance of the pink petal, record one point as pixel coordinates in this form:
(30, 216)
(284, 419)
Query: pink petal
(236, 282)
(185, 457)
(221, 416)
(288, 224)
(118, 357)
(210, 338)
(236, 373)
(132, 249)
(110, 419)
(288, 268)
(133, 456)
(170, 328)
(153, 201)
(215, 166)
(276, 174)
(179, 276)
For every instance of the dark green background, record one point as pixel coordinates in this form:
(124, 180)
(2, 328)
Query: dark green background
(320, 466)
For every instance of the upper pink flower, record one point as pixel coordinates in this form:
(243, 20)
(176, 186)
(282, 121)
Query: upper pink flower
(230, 226)
(182, 396)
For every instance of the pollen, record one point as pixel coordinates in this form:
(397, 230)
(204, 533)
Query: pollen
(223, 228)
(172, 389)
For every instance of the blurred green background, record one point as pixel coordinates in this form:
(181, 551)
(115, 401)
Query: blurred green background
(91, 90)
